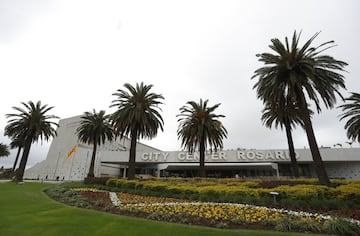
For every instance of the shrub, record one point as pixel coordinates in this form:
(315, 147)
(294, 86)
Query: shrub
(306, 195)
(222, 225)
(308, 226)
(349, 192)
(139, 185)
(111, 182)
(66, 195)
(210, 193)
(130, 184)
(56, 191)
(248, 184)
(99, 203)
(302, 192)
(156, 186)
(96, 180)
(7, 174)
(339, 226)
(160, 216)
(109, 208)
(284, 224)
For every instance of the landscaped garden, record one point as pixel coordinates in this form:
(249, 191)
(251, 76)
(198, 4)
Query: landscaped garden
(26, 210)
(298, 206)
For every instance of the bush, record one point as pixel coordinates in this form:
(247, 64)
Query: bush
(66, 195)
(302, 192)
(308, 226)
(285, 224)
(250, 184)
(159, 216)
(96, 180)
(339, 226)
(350, 192)
(130, 184)
(111, 182)
(156, 186)
(7, 174)
(299, 194)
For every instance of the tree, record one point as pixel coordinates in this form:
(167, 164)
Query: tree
(32, 123)
(284, 113)
(4, 150)
(199, 126)
(301, 74)
(351, 111)
(18, 143)
(95, 129)
(137, 116)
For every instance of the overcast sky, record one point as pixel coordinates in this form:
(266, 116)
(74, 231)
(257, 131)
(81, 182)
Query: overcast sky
(74, 54)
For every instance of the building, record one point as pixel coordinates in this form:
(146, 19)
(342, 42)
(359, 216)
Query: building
(68, 159)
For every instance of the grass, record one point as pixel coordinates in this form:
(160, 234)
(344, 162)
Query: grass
(26, 210)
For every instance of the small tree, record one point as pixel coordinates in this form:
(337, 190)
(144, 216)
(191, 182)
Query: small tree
(137, 116)
(199, 126)
(32, 123)
(351, 111)
(301, 73)
(4, 150)
(18, 143)
(94, 129)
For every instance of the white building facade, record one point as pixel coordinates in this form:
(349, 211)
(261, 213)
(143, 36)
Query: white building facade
(69, 160)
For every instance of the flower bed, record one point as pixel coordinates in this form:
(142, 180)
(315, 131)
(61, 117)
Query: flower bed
(222, 215)
(218, 211)
(127, 198)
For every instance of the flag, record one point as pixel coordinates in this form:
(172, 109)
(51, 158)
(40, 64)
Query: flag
(72, 150)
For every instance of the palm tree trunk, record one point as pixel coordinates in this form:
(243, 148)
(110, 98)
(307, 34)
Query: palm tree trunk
(91, 173)
(202, 172)
(16, 159)
(19, 174)
(294, 164)
(318, 163)
(131, 171)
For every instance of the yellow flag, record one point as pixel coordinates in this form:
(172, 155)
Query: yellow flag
(73, 149)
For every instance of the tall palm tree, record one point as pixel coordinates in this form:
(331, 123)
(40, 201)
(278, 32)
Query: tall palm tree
(18, 143)
(33, 124)
(284, 113)
(351, 110)
(95, 129)
(137, 116)
(4, 150)
(301, 73)
(199, 126)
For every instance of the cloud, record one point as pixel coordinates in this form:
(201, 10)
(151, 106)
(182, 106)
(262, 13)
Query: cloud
(72, 55)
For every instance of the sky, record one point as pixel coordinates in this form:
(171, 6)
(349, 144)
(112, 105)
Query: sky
(74, 54)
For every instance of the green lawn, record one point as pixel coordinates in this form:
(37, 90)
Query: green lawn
(26, 210)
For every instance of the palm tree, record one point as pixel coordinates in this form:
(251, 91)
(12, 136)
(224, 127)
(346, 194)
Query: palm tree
(94, 129)
(18, 143)
(4, 150)
(301, 73)
(33, 124)
(283, 115)
(286, 114)
(351, 110)
(199, 126)
(136, 116)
